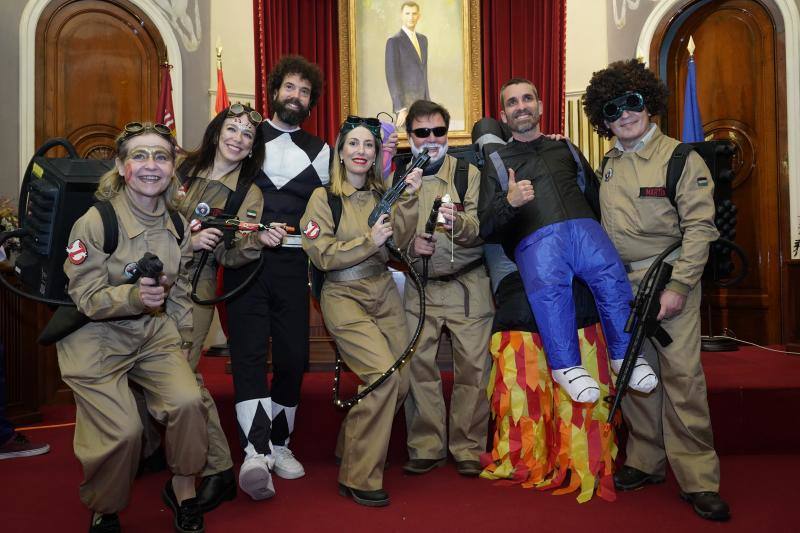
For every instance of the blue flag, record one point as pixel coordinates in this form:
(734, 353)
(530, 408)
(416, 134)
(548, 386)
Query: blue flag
(692, 124)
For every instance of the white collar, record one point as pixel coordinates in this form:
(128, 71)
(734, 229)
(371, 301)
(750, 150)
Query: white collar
(641, 143)
(269, 121)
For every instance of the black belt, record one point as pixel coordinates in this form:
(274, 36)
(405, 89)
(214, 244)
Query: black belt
(469, 267)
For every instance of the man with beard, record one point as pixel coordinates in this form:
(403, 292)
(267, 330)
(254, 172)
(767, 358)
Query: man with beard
(458, 297)
(554, 236)
(276, 303)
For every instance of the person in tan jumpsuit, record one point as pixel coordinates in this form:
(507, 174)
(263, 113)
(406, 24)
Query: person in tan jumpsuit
(360, 302)
(139, 332)
(459, 297)
(229, 157)
(672, 423)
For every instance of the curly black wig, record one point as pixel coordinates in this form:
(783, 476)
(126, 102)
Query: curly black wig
(615, 80)
(294, 64)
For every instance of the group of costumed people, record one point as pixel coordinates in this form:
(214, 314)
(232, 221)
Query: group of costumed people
(526, 235)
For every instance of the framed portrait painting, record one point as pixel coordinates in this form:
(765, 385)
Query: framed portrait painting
(393, 52)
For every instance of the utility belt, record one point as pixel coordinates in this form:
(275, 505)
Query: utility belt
(633, 266)
(356, 272)
(469, 267)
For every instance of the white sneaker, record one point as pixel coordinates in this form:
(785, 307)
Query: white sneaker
(580, 386)
(286, 466)
(643, 377)
(255, 479)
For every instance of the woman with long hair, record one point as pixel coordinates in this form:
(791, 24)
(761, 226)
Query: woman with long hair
(218, 178)
(139, 332)
(360, 303)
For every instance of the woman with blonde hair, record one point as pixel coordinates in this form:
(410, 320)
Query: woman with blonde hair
(360, 303)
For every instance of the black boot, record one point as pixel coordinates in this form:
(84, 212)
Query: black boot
(370, 498)
(188, 516)
(629, 478)
(708, 505)
(215, 489)
(105, 523)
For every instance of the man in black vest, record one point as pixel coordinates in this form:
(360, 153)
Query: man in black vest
(276, 304)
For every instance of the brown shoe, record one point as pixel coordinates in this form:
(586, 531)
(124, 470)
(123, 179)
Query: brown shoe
(469, 468)
(18, 445)
(421, 466)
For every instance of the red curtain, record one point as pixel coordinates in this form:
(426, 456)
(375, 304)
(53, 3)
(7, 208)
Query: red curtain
(523, 38)
(308, 28)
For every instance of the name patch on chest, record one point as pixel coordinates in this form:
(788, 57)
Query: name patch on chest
(652, 192)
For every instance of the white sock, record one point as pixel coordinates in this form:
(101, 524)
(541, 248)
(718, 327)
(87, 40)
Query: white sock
(580, 386)
(643, 378)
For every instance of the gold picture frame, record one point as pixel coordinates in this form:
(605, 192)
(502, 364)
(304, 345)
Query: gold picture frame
(449, 29)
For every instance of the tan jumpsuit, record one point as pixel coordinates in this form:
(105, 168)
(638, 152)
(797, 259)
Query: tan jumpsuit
(672, 423)
(465, 307)
(125, 342)
(366, 319)
(214, 193)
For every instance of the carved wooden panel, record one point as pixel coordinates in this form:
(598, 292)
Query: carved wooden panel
(97, 68)
(736, 87)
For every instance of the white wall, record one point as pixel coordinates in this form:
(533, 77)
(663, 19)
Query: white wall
(587, 48)
(232, 23)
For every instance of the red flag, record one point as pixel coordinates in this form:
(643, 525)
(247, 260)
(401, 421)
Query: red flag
(222, 94)
(166, 113)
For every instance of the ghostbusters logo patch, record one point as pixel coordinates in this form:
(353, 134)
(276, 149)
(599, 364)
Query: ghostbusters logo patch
(312, 230)
(130, 270)
(76, 252)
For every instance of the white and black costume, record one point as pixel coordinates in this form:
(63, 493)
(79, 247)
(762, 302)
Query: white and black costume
(276, 304)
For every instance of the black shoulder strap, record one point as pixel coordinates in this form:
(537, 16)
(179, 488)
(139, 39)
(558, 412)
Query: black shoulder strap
(110, 226)
(335, 203)
(603, 166)
(461, 178)
(177, 221)
(580, 174)
(236, 198)
(677, 162)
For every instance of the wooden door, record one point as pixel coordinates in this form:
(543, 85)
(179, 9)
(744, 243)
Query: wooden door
(97, 68)
(738, 94)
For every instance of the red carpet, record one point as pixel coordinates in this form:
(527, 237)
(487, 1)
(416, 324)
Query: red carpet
(40, 493)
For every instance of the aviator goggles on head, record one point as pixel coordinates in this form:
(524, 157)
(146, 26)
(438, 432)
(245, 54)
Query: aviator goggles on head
(132, 129)
(237, 110)
(353, 121)
(630, 101)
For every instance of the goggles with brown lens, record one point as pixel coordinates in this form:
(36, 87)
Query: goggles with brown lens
(132, 129)
(237, 110)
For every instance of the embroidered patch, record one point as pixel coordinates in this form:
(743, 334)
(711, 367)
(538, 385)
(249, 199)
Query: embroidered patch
(202, 209)
(458, 207)
(312, 230)
(251, 213)
(76, 252)
(130, 270)
(195, 225)
(608, 174)
(702, 182)
(652, 192)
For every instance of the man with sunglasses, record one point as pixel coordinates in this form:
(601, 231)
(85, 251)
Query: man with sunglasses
(672, 423)
(459, 297)
(275, 306)
(554, 236)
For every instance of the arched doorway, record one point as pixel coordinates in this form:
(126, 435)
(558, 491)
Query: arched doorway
(742, 97)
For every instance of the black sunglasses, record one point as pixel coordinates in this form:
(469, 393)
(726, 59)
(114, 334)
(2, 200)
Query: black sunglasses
(132, 129)
(237, 110)
(353, 121)
(630, 101)
(438, 131)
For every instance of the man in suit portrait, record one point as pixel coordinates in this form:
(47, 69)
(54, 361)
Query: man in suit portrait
(407, 63)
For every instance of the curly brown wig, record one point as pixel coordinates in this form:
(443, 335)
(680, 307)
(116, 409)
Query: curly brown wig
(615, 80)
(294, 64)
